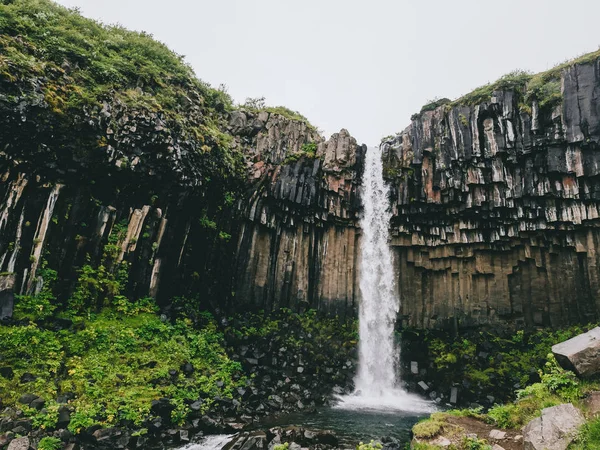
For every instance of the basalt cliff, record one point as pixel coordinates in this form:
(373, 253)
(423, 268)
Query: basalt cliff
(159, 182)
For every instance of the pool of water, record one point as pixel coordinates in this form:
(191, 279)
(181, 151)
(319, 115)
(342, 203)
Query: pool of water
(350, 426)
(353, 426)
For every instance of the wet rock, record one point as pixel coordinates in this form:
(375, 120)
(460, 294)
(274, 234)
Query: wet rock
(256, 440)
(554, 430)
(581, 353)
(162, 408)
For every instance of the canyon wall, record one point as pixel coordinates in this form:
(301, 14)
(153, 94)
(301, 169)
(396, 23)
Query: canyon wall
(496, 209)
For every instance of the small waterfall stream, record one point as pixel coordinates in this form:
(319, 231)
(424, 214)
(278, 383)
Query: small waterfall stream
(377, 385)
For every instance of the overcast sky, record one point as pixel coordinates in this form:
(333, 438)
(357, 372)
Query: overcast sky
(364, 65)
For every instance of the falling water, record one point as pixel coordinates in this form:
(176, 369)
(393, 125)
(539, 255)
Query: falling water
(377, 383)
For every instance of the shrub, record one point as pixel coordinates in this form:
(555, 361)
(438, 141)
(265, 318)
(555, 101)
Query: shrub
(49, 443)
(373, 445)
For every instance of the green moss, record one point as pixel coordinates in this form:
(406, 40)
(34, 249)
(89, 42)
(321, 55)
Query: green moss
(427, 428)
(308, 151)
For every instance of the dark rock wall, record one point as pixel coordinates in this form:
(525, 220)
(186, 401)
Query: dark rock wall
(288, 241)
(496, 210)
(496, 213)
(298, 245)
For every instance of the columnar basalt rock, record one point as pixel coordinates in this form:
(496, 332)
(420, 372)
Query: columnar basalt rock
(496, 209)
(297, 244)
(293, 234)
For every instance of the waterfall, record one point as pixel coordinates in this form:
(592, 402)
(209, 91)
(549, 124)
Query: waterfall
(378, 354)
(377, 385)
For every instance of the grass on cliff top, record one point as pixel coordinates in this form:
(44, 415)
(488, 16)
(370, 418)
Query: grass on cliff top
(543, 87)
(39, 36)
(258, 104)
(78, 86)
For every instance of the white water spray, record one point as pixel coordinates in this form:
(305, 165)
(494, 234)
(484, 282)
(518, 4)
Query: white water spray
(377, 383)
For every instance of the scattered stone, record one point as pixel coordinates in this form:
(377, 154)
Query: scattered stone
(21, 443)
(184, 436)
(497, 447)
(518, 438)
(497, 434)
(442, 441)
(423, 385)
(64, 417)
(26, 399)
(592, 402)
(554, 430)
(414, 367)
(453, 395)
(580, 353)
(196, 405)
(38, 403)
(300, 369)
(27, 377)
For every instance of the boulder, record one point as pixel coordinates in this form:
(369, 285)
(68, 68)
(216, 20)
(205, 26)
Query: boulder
(580, 354)
(21, 443)
(554, 430)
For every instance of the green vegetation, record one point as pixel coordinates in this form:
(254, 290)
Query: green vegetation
(474, 443)
(428, 428)
(588, 437)
(556, 386)
(259, 104)
(115, 365)
(492, 363)
(49, 443)
(372, 445)
(545, 87)
(80, 87)
(308, 150)
(283, 446)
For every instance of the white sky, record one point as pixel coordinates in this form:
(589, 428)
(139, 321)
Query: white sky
(364, 65)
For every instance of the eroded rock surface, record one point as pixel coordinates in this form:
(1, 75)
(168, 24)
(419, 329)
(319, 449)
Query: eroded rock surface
(554, 430)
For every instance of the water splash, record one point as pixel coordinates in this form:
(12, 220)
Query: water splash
(377, 383)
(211, 442)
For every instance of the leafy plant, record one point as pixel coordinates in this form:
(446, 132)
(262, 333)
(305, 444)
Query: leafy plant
(372, 445)
(49, 443)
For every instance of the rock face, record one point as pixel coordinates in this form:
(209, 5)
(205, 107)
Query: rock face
(581, 353)
(496, 209)
(554, 430)
(298, 245)
(290, 241)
